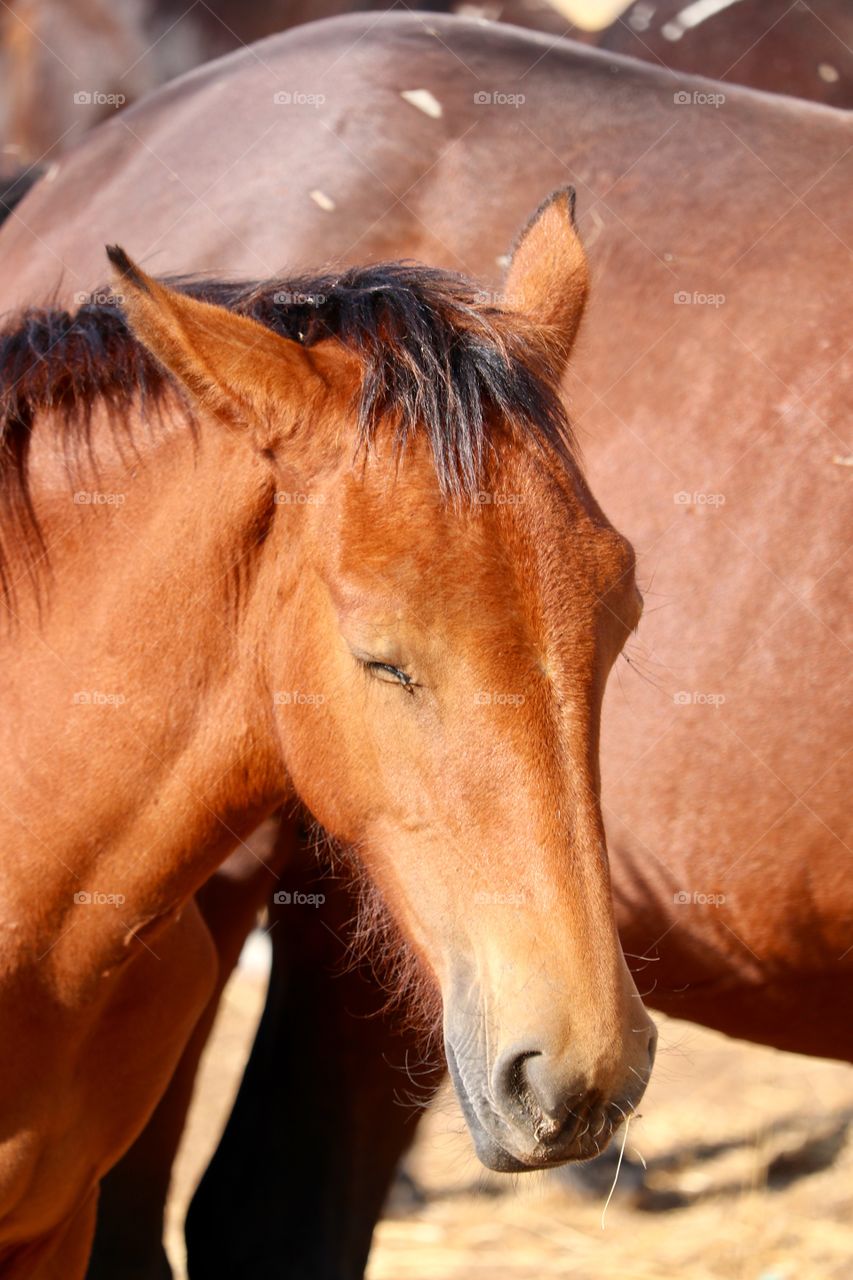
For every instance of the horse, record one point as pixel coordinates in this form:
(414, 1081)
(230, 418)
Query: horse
(69, 64)
(244, 562)
(774, 45)
(729, 889)
(110, 58)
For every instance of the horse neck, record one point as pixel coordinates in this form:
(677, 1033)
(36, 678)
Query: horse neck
(135, 696)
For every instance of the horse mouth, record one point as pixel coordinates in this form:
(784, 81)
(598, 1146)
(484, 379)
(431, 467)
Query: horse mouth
(575, 1143)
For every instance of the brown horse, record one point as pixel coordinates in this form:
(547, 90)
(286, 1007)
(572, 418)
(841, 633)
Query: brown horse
(733, 791)
(783, 46)
(65, 65)
(276, 578)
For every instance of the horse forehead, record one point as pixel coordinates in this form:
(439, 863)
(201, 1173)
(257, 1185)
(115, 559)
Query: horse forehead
(563, 542)
(522, 594)
(507, 538)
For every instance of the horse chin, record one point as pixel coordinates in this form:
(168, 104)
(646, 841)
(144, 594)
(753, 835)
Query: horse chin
(495, 1157)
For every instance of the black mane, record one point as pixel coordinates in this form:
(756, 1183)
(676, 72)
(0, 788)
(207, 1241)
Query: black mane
(436, 356)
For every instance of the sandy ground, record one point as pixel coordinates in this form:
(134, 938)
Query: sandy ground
(750, 1175)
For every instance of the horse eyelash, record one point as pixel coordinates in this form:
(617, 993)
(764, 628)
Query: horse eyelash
(402, 676)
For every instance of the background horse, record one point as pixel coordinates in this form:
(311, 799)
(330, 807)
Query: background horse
(724, 822)
(68, 64)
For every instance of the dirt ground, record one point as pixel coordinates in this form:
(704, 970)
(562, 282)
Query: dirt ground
(749, 1174)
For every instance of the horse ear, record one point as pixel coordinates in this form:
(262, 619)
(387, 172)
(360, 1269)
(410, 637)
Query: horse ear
(548, 276)
(233, 367)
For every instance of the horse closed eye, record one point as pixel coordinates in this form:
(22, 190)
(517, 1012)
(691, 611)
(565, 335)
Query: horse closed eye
(391, 675)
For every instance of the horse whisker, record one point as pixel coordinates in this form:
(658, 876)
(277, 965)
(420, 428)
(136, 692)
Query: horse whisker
(618, 1167)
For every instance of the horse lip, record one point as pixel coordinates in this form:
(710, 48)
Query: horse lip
(492, 1152)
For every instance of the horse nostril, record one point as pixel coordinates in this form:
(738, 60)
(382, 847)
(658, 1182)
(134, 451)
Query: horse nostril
(511, 1085)
(531, 1094)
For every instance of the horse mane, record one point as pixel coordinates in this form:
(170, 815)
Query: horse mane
(437, 355)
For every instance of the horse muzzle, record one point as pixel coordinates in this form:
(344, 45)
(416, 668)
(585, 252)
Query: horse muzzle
(531, 1112)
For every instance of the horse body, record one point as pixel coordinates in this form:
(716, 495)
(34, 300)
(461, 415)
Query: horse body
(315, 157)
(68, 64)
